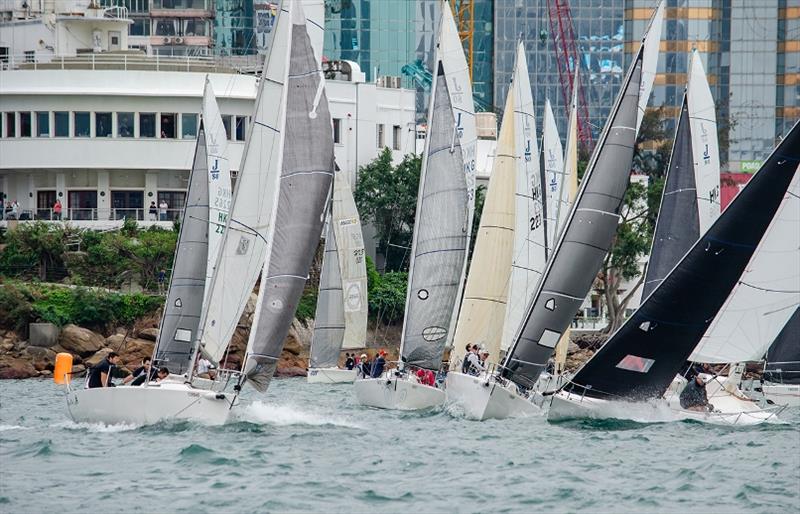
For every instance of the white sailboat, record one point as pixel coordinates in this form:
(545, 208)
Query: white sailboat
(508, 260)
(441, 234)
(780, 382)
(341, 317)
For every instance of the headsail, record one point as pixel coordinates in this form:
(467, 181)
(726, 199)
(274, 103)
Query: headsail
(553, 158)
(678, 226)
(299, 192)
(642, 357)
(584, 242)
(529, 254)
(783, 357)
(176, 339)
(444, 207)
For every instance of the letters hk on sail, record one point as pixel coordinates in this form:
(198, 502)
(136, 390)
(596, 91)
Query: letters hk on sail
(444, 207)
(207, 203)
(341, 317)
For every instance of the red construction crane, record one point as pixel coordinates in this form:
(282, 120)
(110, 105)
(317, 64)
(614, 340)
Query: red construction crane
(567, 59)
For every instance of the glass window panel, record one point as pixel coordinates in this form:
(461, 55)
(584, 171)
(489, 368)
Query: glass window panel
(82, 124)
(188, 126)
(241, 125)
(337, 127)
(147, 124)
(43, 124)
(124, 124)
(61, 124)
(25, 124)
(102, 124)
(169, 130)
(226, 122)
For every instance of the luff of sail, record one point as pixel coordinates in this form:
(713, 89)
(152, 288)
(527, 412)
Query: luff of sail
(244, 244)
(483, 308)
(764, 296)
(179, 323)
(705, 146)
(300, 194)
(643, 356)
(584, 242)
(783, 357)
(678, 225)
(352, 263)
(219, 179)
(329, 323)
(553, 158)
(529, 254)
(652, 44)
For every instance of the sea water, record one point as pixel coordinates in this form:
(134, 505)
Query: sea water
(311, 447)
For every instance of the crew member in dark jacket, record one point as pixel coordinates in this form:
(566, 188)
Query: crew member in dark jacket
(100, 376)
(378, 365)
(693, 396)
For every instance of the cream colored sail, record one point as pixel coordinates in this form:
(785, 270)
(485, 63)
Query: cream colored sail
(484, 306)
(553, 160)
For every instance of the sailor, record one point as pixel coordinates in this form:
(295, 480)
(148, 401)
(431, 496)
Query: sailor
(204, 368)
(163, 373)
(465, 362)
(693, 396)
(475, 366)
(378, 365)
(363, 366)
(349, 362)
(141, 373)
(100, 376)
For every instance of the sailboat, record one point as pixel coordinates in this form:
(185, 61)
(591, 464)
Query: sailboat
(780, 382)
(341, 317)
(509, 255)
(630, 373)
(441, 234)
(274, 224)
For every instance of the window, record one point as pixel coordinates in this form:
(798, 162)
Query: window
(102, 124)
(241, 125)
(124, 124)
(82, 205)
(381, 136)
(168, 128)
(337, 130)
(195, 28)
(82, 124)
(226, 121)
(4, 54)
(635, 363)
(140, 27)
(175, 202)
(30, 56)
(128, 204)
(61, 123)
(147, 124)
(550, 338)
(25, 124)
(396, 137)
(43, 124)
(188, 126)
(11, 124)
(165, 27)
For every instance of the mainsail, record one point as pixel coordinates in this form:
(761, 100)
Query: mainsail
(244, 244)
(326, 343)
(765, 296)
(299, 192)
(783, 357)
(652, 43)
(678, 226)
(444, 207)
(584, 242)
(705, 147)
(219, 179)
(176, 339)
(642, 357)
(529, 254)
(553, 159)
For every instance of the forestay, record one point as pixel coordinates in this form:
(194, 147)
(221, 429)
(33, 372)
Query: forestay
(783, 357)
(764, 297)
(529, 254)
(642, 358)
(244, 244)
(678, 226)
(299, 199)
(329, 323)
(176, 343)
(583, 244)
(554, 172)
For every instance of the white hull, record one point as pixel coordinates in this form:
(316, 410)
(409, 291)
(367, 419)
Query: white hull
(484, 398)
(783, 394)
(330, 375)
(397, 393)
(140, 405)
(572, 406)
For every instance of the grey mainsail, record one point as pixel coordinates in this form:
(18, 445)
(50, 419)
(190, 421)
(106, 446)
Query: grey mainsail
(300, 198)
(176, 339)
(678, 224)
(586, 238)
(329, 322)
(441, 233)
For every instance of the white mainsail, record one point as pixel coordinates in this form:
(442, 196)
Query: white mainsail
(219, 180)
(766, 295)
(329, 324)
(244, 244)
(352, 262)
(554, 171)
(705, 146)
(652, 43)
(529, 236)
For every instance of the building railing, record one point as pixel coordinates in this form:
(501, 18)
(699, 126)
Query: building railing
(132, 61)
(93, 214)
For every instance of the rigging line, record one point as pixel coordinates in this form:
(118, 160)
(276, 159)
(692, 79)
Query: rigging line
(768, 290)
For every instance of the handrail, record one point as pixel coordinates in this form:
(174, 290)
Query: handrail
(130, 61)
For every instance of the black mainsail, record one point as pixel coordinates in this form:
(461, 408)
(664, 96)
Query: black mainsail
(586, 238)
(644, 355)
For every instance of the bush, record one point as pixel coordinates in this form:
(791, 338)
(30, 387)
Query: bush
(16, 310)
(387, 297)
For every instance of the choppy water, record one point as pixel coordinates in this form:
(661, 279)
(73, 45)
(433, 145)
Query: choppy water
(312, 448)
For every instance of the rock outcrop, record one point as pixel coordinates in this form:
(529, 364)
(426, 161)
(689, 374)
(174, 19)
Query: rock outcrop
(81, 341)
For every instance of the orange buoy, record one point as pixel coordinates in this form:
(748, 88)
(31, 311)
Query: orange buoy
(62, 373)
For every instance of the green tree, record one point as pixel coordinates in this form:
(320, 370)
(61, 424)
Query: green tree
(386, 196)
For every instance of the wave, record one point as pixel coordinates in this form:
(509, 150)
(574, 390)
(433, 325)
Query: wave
(100, 428)
(4, 428)
(287, 414)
